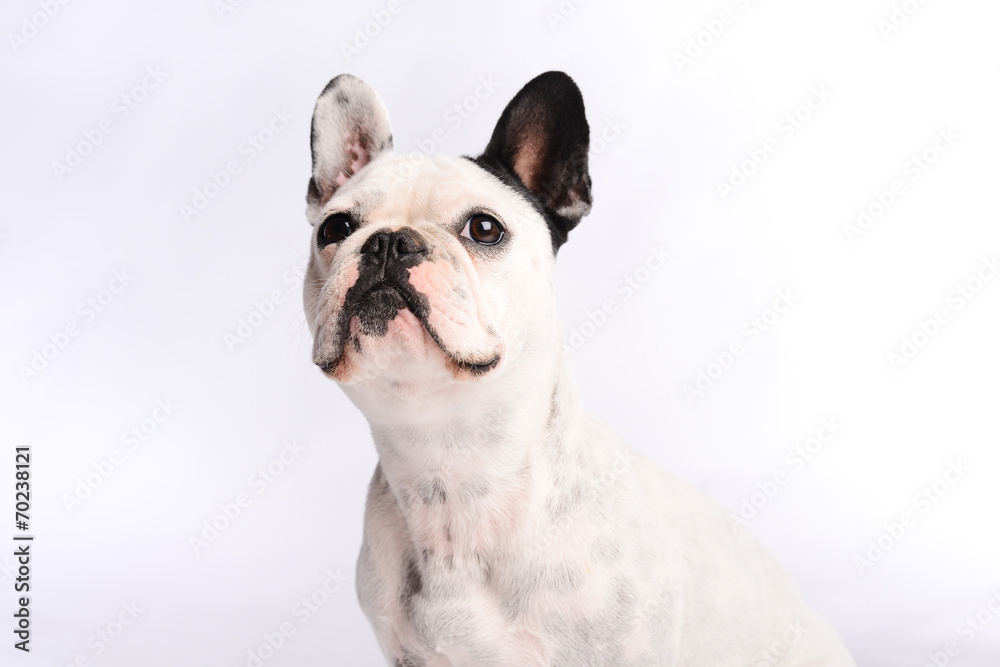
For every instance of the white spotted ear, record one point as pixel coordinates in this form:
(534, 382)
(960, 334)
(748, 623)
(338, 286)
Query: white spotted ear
(350, 127)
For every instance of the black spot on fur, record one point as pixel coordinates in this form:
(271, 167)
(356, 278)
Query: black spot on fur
(412, 584)
(518, 596)
(409, 659)
(605, 550)
(432, 492)
(380, 479)
(553, 407)
(486, 567)
(563, 577)
(312, 194)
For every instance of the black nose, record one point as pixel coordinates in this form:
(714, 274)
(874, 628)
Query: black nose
(403, 246)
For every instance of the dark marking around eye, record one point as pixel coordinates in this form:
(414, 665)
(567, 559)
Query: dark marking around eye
(554, 221)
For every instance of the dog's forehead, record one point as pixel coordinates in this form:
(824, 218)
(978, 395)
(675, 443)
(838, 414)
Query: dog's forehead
(405, 187)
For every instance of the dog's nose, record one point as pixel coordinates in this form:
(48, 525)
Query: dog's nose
(403, 245)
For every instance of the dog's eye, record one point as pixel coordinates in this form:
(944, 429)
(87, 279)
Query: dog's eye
(483, 230)
(334, 229)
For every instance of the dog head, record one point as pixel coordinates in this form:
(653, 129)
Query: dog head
(428, 269)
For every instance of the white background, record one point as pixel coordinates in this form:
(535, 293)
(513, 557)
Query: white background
(684, 129)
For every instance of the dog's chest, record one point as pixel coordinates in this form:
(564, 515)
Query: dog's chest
(496, 610)
(457, 575)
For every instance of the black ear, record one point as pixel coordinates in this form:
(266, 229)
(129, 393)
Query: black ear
(542, 139)
(350, 127)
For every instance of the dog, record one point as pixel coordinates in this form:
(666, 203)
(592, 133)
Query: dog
(504, 525)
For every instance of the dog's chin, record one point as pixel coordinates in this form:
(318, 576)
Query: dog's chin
(386, 342)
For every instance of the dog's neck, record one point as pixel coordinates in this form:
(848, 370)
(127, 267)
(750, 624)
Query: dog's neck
(475, 466)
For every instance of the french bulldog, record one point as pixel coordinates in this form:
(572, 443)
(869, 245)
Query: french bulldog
(505, 526)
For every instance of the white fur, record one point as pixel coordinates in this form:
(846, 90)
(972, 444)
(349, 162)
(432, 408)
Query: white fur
(537, 536)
